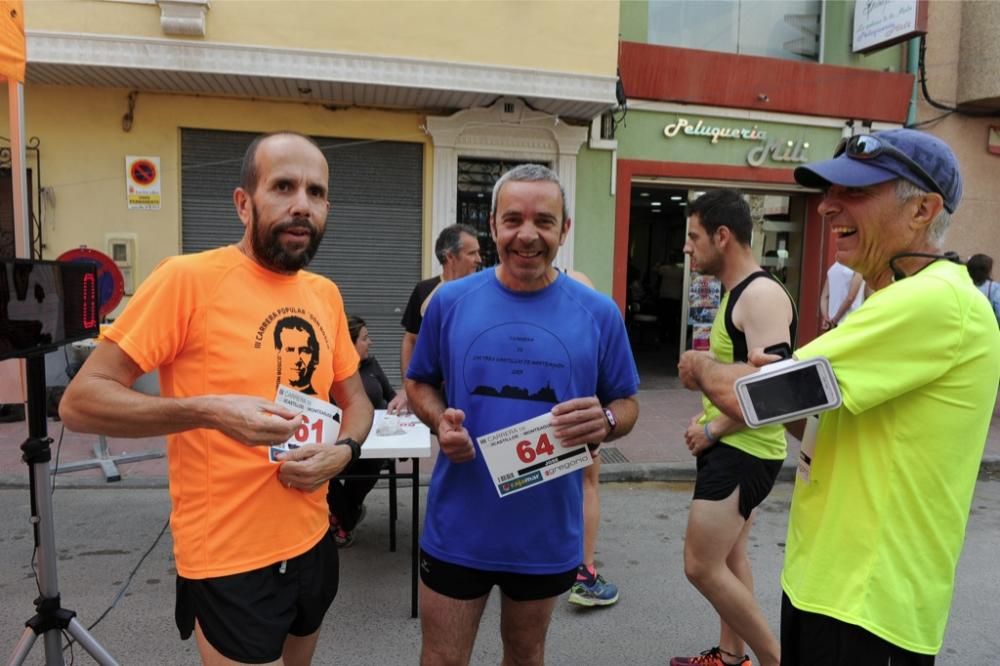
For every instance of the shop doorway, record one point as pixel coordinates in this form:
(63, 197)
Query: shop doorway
(656, 276)
(670, 308)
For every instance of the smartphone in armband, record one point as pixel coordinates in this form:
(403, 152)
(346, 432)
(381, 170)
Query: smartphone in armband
(787, 390)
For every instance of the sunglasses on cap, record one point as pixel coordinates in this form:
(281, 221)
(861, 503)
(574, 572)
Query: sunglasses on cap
(869, 146)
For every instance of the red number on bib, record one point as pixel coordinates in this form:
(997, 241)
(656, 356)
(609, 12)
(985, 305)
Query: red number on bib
(544, 446)
(525, 452)
(302, 432)
(317, 427)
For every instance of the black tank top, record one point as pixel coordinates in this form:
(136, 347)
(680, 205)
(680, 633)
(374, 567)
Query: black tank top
(740, 351)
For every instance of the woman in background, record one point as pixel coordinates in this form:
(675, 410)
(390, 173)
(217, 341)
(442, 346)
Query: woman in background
(346, 496)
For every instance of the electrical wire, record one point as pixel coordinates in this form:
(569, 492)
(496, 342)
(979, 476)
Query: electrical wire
(976, 113)
(930, 122)
(121, 592)
(69, 639)
(124, 587)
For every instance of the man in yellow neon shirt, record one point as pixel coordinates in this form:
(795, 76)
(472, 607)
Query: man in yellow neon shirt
(877, 524)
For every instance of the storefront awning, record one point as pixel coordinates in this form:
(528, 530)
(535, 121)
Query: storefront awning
(323, 77)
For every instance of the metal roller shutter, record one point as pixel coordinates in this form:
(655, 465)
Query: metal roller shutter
(372, 244)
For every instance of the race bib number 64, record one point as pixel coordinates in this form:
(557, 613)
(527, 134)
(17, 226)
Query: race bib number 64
(527, 454)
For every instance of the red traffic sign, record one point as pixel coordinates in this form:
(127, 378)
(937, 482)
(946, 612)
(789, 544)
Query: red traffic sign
(143, 172)
(110, 284)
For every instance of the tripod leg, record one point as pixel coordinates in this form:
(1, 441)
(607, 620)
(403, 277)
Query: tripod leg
(23, 647)
(90, 644)
(53, 647)
(51, 618)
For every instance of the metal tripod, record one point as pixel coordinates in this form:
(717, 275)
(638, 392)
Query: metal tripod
(50, 619)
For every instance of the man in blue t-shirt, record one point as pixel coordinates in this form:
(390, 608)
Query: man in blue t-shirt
(508, 345)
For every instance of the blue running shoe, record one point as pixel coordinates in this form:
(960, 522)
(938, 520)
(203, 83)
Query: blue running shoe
(592, 590)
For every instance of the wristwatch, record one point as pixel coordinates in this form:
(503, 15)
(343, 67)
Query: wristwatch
(355, 447)
(612, 421)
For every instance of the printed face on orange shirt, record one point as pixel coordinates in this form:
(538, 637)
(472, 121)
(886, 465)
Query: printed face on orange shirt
(298, 354)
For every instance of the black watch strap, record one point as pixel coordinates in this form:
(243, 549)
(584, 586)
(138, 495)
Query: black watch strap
(355, 447)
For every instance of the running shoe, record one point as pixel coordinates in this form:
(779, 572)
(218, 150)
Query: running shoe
(590, 589)
(711, 657)
(341, 537)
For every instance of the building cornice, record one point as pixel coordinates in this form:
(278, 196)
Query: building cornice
(214, 58)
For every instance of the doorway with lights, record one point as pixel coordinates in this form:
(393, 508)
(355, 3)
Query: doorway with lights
(668, 307)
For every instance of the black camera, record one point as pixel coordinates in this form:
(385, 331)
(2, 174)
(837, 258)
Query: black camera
(46, 304)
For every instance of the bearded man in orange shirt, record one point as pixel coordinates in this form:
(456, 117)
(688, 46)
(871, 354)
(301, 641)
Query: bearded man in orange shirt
(257, 567)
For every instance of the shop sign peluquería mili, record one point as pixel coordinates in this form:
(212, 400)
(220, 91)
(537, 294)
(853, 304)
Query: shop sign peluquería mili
(776, 149)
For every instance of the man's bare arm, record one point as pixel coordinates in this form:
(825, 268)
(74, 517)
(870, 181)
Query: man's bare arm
(626, 411)
(356, 419)
(100, 400)
(406, 352)
(764, 314)
(425, 401)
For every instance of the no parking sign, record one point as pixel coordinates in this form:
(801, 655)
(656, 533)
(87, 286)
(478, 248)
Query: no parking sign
(142, 182)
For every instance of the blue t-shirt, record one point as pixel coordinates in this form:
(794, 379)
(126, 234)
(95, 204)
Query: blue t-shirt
(505, 357)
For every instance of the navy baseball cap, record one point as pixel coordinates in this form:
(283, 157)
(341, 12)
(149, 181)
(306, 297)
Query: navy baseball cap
(870, 159)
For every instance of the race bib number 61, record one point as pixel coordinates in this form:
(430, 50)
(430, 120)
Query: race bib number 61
(320, 420)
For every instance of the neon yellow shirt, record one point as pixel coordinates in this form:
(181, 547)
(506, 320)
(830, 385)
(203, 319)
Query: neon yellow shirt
(875, 536)
(768, 442)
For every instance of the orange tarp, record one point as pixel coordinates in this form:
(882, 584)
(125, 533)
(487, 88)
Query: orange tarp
(12, 40)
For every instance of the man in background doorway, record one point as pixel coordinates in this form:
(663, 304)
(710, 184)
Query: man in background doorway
(671, 291)
(843, 292)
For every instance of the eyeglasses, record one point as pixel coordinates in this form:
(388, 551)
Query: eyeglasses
(868, 147)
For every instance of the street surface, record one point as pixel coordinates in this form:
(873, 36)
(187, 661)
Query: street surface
(102, 532)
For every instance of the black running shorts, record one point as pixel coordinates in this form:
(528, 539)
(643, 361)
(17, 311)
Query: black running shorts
(247, 616)
(811, 639)
(721, 468)
(458, 582)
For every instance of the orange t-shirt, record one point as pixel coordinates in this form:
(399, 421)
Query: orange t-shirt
(208, 321)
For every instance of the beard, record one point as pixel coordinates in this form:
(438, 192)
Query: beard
(711, 265)
(270, 251)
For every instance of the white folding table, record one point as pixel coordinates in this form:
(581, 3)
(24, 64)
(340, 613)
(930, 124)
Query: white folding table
(396, 437)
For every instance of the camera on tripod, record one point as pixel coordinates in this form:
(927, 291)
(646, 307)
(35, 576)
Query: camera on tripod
(44, 305)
